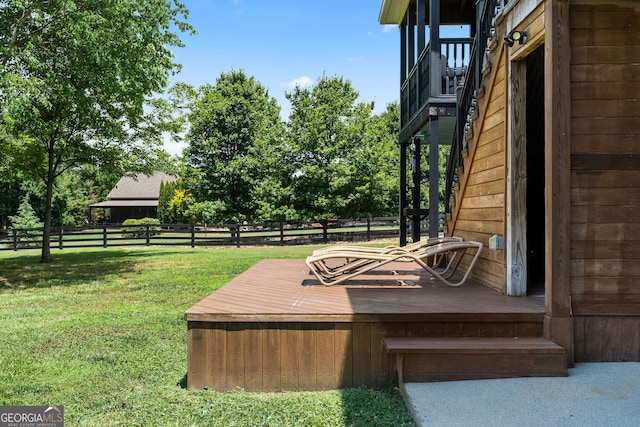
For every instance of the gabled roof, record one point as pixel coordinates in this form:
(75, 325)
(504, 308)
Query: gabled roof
(139, 187)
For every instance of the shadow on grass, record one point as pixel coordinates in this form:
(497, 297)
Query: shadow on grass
(183, 382)
(67, 268)
(375, 407)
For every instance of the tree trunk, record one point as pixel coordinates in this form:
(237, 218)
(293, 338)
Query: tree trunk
(46, 249)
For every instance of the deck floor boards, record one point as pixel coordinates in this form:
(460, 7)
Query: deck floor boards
(285, 290)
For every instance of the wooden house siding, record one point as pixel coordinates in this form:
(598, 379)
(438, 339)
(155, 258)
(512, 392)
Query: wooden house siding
(605, 180)
(481, 212)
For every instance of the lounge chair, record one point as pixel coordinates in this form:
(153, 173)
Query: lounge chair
(352, 263)
(412, 247)
(349, 263)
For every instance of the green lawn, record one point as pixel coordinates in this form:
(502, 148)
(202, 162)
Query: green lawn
(102, 333)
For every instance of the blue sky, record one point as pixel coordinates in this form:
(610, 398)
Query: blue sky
(284, 42)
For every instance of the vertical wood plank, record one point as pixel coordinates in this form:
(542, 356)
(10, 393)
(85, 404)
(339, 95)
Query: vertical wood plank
(593, 331)
(215, 352)
(289, 349)
(235, 356)
(361, 354)
(253, 357)
(516, 244)
(307, 356)
(557, 157)
(344, 355)
(271, 357)
(380, 373)
(579, 338)
(325, 359)
(196, 354)
(612, 339)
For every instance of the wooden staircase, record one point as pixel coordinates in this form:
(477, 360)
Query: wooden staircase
(475, 118)
(425, 359)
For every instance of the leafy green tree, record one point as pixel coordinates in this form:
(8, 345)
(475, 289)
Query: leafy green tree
(377, 183)
(167, 191)
(179, 205)
(231, 123)
(208, 212)
(78, 80)
(343, 153)
(10, 189)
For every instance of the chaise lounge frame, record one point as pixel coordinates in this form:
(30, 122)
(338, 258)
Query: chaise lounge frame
(353, 263)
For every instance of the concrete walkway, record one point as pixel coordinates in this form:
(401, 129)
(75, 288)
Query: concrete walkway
(594, 394)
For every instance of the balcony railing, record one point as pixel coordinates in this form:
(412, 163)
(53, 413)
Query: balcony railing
(451, 67)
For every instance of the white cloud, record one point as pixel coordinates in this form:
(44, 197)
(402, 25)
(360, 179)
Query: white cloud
(302, 81)
(389, 27)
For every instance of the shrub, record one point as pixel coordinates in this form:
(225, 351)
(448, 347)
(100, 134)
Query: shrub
(138, 227)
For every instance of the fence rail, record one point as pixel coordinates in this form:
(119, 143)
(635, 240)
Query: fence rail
(272, 233)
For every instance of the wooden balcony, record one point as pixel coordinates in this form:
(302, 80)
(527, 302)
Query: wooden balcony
(432, 84)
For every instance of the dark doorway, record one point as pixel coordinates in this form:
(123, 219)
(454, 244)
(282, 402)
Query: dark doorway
(535, 173)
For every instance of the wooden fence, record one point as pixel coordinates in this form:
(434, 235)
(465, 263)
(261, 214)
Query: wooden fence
(272, 233)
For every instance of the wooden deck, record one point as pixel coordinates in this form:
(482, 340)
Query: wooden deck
(275, 328)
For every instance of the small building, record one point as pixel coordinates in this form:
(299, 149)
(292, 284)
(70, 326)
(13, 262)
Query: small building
(134, 196)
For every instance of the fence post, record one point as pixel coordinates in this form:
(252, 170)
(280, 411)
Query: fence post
(281, 232)
(193, 235)
(148, 234)
(60, 233)
(325, 226)
(15, 239)
(104, 236)
(368, 229)
(238, 235)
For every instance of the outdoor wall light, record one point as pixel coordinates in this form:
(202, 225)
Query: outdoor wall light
(515, 36)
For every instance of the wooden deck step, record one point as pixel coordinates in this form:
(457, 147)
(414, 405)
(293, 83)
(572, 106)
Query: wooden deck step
(424, 359)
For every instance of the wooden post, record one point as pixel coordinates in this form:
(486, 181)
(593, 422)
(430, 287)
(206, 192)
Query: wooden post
(434, 174)
(416, 173)
(238, 236)
(104, 236)
(193, 235)
(60, 233)
(558, 321)
(403, 194)
(281, 232)
(15, 239)
(368, 229)
(435, 61)
(148, 234)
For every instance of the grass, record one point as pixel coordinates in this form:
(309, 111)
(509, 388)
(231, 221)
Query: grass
(102, 333)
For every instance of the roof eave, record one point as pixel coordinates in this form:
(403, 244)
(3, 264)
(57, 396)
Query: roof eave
(392, 11)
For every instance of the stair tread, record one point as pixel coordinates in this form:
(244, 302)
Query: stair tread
(471, 345)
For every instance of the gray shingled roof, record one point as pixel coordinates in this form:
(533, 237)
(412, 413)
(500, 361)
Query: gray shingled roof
(139, 187)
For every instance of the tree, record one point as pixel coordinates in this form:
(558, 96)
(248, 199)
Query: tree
(377, 183)
(27, 222)
(10, 190)
(343, 154)
(78, 83)
(230, 124)
(26, 216)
